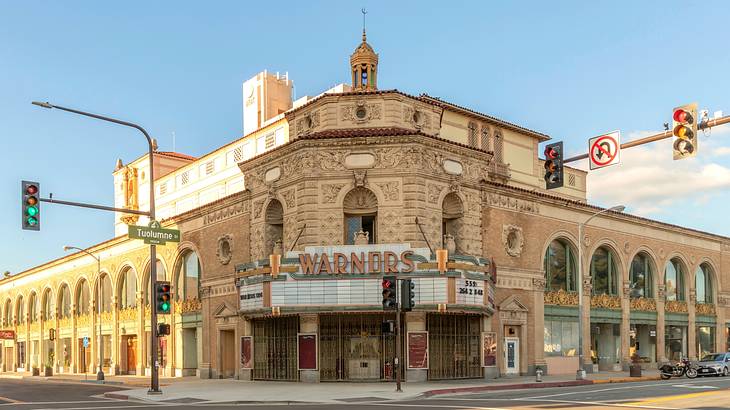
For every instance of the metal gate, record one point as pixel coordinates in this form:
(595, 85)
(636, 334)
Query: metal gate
(353, 347)
(275, 348)
(453, 346)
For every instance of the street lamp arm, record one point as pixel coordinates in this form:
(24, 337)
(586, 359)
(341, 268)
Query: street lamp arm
(618, 208)
(84, 251)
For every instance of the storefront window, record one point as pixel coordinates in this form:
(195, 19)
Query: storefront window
(561, 338)
(128, 292)
(674, 280)
(642, 341)
(705, 340)
(641, 277)
(727, 338)
(604, 272)
(675, 342)
(560, 266)
(703, 284)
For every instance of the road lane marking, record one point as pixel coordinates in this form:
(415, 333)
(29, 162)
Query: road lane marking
(691, 386)
(147, 405)
(440, 406)
(602, 403)
(11, 401)
(679, 397)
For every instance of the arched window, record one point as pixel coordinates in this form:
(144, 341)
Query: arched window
(452, 220)
(560, 267)
(128, 289)
(274, 225)
(33, 308)
(8, 313)
(20, 311)
(47, 311)
(360, 207)
(674, 280)
(498, 147)
(604, 272)
(703, 284)
(64, 302)
(106, 293)
(472, 140)
(188, 277)
(160, 277)
(486, 145)
(83, 299)
(641, 277)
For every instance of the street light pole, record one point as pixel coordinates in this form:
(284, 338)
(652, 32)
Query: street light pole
(581, 373)
(99, 298)
(154, 379)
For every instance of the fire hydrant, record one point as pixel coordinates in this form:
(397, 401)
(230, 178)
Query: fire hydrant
(538, 375)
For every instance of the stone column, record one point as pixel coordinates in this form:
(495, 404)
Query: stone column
(114, 367)
(660, 325)
(75, 360)
(309, 323)
(94, 338)
(205, 340)
(141, 339)
(720, 327)
(625, 326)
(538, 318)
(691, 326)
(56, 343)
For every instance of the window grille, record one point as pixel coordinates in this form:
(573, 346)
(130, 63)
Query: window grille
(163, 188)
(571, 179)
(185, 178)
(270, 141)
(472, 134)
(209, 167)
(237, 154)
(498, 147)
(486, 144)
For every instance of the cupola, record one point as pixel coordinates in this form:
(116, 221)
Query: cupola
(364, 65)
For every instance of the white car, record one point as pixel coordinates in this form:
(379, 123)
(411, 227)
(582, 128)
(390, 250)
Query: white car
(714, 364)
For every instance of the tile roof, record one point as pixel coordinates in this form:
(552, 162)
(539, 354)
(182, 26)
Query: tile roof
(177, 155)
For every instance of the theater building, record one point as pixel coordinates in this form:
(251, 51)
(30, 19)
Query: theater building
(288, 231)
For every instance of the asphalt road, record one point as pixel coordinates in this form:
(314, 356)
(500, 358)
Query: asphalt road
(702, 393)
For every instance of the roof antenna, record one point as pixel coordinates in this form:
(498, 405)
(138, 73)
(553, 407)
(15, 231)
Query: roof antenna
(364, 12)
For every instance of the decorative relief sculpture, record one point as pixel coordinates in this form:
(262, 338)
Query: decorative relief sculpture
(390, 190)
(361, 177)
(627, 247)
(360, 112)
(416, 118)
(330, 192)
(539, 284)
(675, 306)
(587, 285)
(130, 191)
(644, 304)
(361, 237)
(707, 309)
(606, 301)
(450, 243)
(513, 240)
(224, 249)
(290, 198)
(330, 160)
(506, 202)
(561, 298)
(660, 291)
(433, 193)
(258, 206)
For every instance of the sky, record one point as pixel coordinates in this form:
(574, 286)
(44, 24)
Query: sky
(570, 69)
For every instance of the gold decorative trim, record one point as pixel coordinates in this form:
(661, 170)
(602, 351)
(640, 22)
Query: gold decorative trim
(645, 304)
(606, 301)
(64, 323)
(83, 321)
(188, 306)
(129, 314)
(561, 298)
(707, 309)
(675, 306)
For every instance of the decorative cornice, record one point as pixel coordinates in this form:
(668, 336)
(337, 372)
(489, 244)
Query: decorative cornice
(675, 306)
(604, 301)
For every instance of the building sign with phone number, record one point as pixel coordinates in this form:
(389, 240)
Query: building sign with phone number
(469, 292)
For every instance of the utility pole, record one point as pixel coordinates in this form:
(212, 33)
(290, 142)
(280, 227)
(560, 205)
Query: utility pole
(657, 137)
(398, 377)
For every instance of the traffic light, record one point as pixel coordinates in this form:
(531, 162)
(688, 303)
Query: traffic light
(390, 298)
(31, 204)
(163, 298)
(163, 329)
(684, 129)
(407, 295)
(554, 165)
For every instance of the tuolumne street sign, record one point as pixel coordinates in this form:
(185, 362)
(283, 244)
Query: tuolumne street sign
(154, 234)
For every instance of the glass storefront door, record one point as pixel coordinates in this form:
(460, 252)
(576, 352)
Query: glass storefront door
(705, 340)
(605, 345)
(675, 342)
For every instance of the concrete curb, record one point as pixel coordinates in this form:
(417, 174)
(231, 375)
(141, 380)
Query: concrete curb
(535, 385)
(117, 396)
(626, 379)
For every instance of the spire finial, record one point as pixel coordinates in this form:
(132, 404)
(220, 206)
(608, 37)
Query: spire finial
(364, 12)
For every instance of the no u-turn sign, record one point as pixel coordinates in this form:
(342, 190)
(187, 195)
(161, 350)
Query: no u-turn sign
(604, 150)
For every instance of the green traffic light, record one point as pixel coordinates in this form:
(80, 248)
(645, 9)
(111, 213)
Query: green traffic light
(165, 306)
(32, 211)
(31, 221)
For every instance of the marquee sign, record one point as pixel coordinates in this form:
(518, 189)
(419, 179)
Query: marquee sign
(7, 335)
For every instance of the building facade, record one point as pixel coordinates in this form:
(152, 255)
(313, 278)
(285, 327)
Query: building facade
(288, 232)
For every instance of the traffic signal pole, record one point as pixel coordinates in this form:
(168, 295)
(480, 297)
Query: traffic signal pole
(154, 376)
(658, 137)
(398, 349)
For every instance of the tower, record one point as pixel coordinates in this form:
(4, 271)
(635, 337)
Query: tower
(364, 66)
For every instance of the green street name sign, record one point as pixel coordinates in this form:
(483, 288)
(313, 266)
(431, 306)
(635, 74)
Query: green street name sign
(154, 235)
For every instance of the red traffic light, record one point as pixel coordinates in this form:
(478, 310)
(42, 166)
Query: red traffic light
(551, 153)
(31, 189)
(683, 116)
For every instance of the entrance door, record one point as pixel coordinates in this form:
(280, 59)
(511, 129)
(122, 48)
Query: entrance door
(84, 356)
(8, 363)
(228, 354)
(512, 355)
(132, 355)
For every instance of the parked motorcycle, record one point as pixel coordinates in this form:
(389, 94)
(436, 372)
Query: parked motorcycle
(681, 368)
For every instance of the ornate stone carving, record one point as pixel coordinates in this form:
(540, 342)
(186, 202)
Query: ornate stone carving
(83, 320)
(455, 185)
(128, 314)
(417, 118)
(433, 193)
(450, 243)
(626, 289)
(361, 238)
(539, 284)
(290, 198)
(707, 309)
(360, 199)
(675, 306)
(258, 206)
(390, 190)
(307, 123)
(587, 285)
(330, 192)
(606, 301)
(361, 177)
(627, 247)
(514, 204)
(692, 296)
(330, 160)
(297, 164)
(586, 240)
(561, 298)
(360, 112)
(391, 230)
(645, 304)
(188, 306)
(660, 291)
(257, 241)
(224, 250)
(513, 240)
(661, 252)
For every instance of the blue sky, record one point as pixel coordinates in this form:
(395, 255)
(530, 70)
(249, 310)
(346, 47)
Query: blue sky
(568, 69)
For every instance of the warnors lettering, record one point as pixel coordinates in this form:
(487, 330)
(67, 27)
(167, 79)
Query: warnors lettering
(376, 262)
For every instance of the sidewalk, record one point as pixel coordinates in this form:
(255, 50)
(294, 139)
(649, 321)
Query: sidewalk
(235, 391)
(131, 381)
